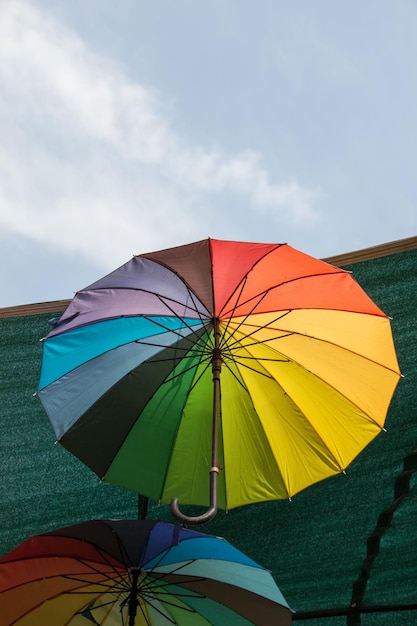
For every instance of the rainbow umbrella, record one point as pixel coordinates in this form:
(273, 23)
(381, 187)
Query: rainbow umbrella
(219, 374)
(136, 573)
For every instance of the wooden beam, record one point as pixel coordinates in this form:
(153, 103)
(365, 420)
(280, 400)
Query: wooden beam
(367, 254)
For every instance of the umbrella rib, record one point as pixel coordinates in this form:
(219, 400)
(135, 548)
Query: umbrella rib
(313, 338)
(89, 607)
(164, 301)
(161, 588)
(88, 582)
(161, 557)
(56, 595)
(234, 308)
(336, 461)
(169, 360)
(162, 575)
(149, 590)
(123, 554)
(241, 358)
(161, 345)
(188, 369)
(185, 351)
(285, 282)
(96, 606)
(175, 332)
(289, 333)
(259, 328)
(153, 590)
(191, 294)
(226, 345)
(152, 293)
(173, 604)
(354, 352)
(94, 569)
(179, 317)
(288, 360)
(164, 615)
(198, 340)
(152, 586)
(157, 591)
(144, 614)
(103, 555)
(233, 353)
(245, 317)
(93, 606)
(267, 375)
(234, 375)
(230, 345)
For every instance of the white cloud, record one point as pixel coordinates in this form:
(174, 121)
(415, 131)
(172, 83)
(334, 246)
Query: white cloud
(89, 159)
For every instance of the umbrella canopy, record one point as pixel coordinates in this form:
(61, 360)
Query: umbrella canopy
(245, 371)
(141, 573)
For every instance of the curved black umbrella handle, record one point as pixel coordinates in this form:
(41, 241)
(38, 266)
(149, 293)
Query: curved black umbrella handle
(211, 511)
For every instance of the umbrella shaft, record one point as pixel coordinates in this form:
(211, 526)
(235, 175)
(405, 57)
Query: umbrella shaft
(133, 597)
(216, 369)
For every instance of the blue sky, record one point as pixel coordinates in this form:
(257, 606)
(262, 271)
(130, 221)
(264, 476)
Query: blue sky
(131, 126)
